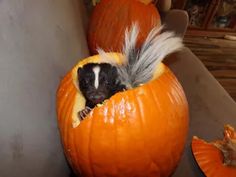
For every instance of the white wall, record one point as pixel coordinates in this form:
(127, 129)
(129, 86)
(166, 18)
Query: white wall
(40, 40)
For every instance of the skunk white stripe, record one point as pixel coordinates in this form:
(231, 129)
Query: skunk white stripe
(96, 71)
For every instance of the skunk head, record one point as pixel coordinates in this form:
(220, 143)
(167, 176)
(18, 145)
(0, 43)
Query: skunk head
(97, 82)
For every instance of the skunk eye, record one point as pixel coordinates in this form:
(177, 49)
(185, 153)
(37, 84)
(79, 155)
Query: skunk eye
(103, 79)
(86, 81)
(106, 82)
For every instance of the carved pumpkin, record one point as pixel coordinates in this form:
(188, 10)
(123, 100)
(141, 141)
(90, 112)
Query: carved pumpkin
(110, 18)
(138, 132)
(217, 159)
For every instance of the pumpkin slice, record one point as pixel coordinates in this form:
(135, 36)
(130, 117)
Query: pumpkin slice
(217, 159)
(138, 132)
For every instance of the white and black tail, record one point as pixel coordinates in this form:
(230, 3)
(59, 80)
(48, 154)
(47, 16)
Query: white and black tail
(140, 64)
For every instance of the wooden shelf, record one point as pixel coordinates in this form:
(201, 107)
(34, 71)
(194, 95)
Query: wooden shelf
(206, 29)
(209, 33)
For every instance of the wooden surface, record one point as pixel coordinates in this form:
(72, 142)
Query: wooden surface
(219, 56)
(210, 33)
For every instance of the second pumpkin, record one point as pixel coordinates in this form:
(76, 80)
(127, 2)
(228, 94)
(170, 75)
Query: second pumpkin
(110, 18)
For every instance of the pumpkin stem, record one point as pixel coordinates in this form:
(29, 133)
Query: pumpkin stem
(228, 146)
(95, 2)
(146, 2)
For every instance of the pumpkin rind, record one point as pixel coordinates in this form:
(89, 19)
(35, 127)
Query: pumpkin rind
(210, 159)
(110, 18)
(140, 132)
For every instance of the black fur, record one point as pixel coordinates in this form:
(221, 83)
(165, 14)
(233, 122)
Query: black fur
(109, 83)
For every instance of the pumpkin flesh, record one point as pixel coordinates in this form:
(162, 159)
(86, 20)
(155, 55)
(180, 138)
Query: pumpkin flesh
(217, 158)
(138, 132)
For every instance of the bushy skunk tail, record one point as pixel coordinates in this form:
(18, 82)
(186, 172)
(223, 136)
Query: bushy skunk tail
(139, 64)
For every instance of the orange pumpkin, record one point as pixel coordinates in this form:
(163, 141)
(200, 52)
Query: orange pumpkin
(139, 132)
(110, 18)
(217, 159)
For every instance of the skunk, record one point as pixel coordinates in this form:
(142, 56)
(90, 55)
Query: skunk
(98, 82)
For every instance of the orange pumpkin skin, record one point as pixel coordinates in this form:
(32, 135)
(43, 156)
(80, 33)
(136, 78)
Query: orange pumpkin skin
(110, 18)
(140, 132)
(210, 159)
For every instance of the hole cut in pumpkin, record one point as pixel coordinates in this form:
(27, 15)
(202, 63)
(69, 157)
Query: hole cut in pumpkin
(80, 100)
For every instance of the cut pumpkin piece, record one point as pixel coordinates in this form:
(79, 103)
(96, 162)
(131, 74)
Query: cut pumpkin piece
(217, 159)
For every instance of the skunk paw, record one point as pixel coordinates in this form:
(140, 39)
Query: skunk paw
(83, 113)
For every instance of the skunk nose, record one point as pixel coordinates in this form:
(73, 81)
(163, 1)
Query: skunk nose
(97, 98)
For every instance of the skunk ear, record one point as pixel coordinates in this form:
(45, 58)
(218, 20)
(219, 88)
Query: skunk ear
(79, 70)
(114, 70)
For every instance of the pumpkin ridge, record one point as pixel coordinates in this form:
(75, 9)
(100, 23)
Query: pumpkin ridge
(116, 140)
(62, 93)
(67, 121)
(178, 98)
(156, 100)
(64, 129)
(89, 147)
(163, 88)
(177, 86)
(120, 29)
(142, 126)
(112, 25)
(103, 41)
(181, 98)
(63, 83)
(137, 102)
(170, 96)
(73, 142)
(159, 107)
(154, 96)
(104, 17)
(75, 162)
(65, 117)
(64, 102)
(123, 25)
